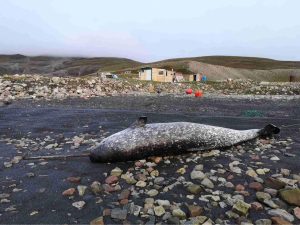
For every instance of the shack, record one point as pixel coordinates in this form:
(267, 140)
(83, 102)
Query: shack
(156, 74)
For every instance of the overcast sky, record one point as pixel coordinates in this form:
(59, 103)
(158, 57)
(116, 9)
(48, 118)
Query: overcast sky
(149, 30)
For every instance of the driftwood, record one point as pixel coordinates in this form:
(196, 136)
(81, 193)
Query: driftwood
(55, 157)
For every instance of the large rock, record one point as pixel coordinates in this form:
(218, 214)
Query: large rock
(197, 175)
(282, 214)
(291, 196)
(241, 208)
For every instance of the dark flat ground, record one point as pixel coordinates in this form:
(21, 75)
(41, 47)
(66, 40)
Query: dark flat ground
(38, 119)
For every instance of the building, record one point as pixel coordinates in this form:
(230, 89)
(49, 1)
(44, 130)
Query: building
(163, 75)
(156, 74)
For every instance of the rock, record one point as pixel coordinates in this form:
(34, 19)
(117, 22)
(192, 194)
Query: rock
(241, 208)
(274, 183)
(239, 187)
(251, 173)
(256, 186)
(291, 196)
(263, 222)
(274, 158)
(261, 196)
(69, 192)
(159, 210)
(7, 164)
(297, 212)
(207, 183)
(97, 221)
(79, 205)
(194, 189)
(256, 206)
(181, 171)
(179, 214)
(198, 167)
(271, 191)
(141, 184)
(96, 187)
(81, 189)
(116, 172)
(152, 192)
(164, 203)
(173, 221)
(197, 175)
(120, 214)
(124, 194)
(111, 180)
(280, 221)
(195, 210)
(282, 214)
(75, 180)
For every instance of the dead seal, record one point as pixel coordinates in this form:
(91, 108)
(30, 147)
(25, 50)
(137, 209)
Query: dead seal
(142, 140)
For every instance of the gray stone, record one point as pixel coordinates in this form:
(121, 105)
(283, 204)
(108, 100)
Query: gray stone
(282, 214)
(120, 214)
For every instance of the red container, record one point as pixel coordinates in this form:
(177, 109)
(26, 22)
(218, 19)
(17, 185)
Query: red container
(198, 94)
(189, 91)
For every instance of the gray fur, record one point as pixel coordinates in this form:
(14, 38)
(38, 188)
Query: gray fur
(144, 140)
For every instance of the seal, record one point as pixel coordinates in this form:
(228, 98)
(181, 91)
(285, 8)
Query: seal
(142, 140)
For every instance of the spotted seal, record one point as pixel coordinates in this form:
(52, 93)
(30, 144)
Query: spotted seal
(142, 140)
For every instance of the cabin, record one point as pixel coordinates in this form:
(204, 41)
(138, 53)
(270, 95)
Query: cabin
(156, 74)
(164, 75)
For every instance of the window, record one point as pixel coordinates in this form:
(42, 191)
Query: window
(161, 72)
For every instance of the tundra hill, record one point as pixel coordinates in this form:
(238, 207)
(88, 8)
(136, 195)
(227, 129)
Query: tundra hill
(236, 67)
(215, 67)
(61, 66)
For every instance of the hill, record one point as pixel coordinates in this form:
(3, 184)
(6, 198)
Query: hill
(215, 67)
(61, 66)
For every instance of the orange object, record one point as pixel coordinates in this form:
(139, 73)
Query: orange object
(189, 91)
(198, 94)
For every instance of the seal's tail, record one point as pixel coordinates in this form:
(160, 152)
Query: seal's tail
(269, 130)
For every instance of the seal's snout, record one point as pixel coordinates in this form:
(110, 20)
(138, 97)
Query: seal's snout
(269, 130)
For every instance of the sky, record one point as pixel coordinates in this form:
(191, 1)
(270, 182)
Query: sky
(151, 30)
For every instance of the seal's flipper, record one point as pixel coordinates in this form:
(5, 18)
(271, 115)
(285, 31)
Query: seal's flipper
(269, 130)
(140, 122)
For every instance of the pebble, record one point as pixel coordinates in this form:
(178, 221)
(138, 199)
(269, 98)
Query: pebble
(75, 180)
(96, 187)
(116, 172)
(256, 186)
(263, 222)
(207, 183)
(159, 210)
(97, 221)
(141, 184)
(120, 214)
(195, 210)
(69, 192)
(241, 208)
(280, 221)
(282, 214)
(79, 205)
(152, 192)
(81, 189)
(197, 175)
(194, 189)
(297, 212)
(111, 179)
(179, 214)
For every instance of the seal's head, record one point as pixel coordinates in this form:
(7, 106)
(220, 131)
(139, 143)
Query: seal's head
(269, 130)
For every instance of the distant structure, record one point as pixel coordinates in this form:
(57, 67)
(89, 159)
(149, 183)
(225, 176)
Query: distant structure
(164, 75)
